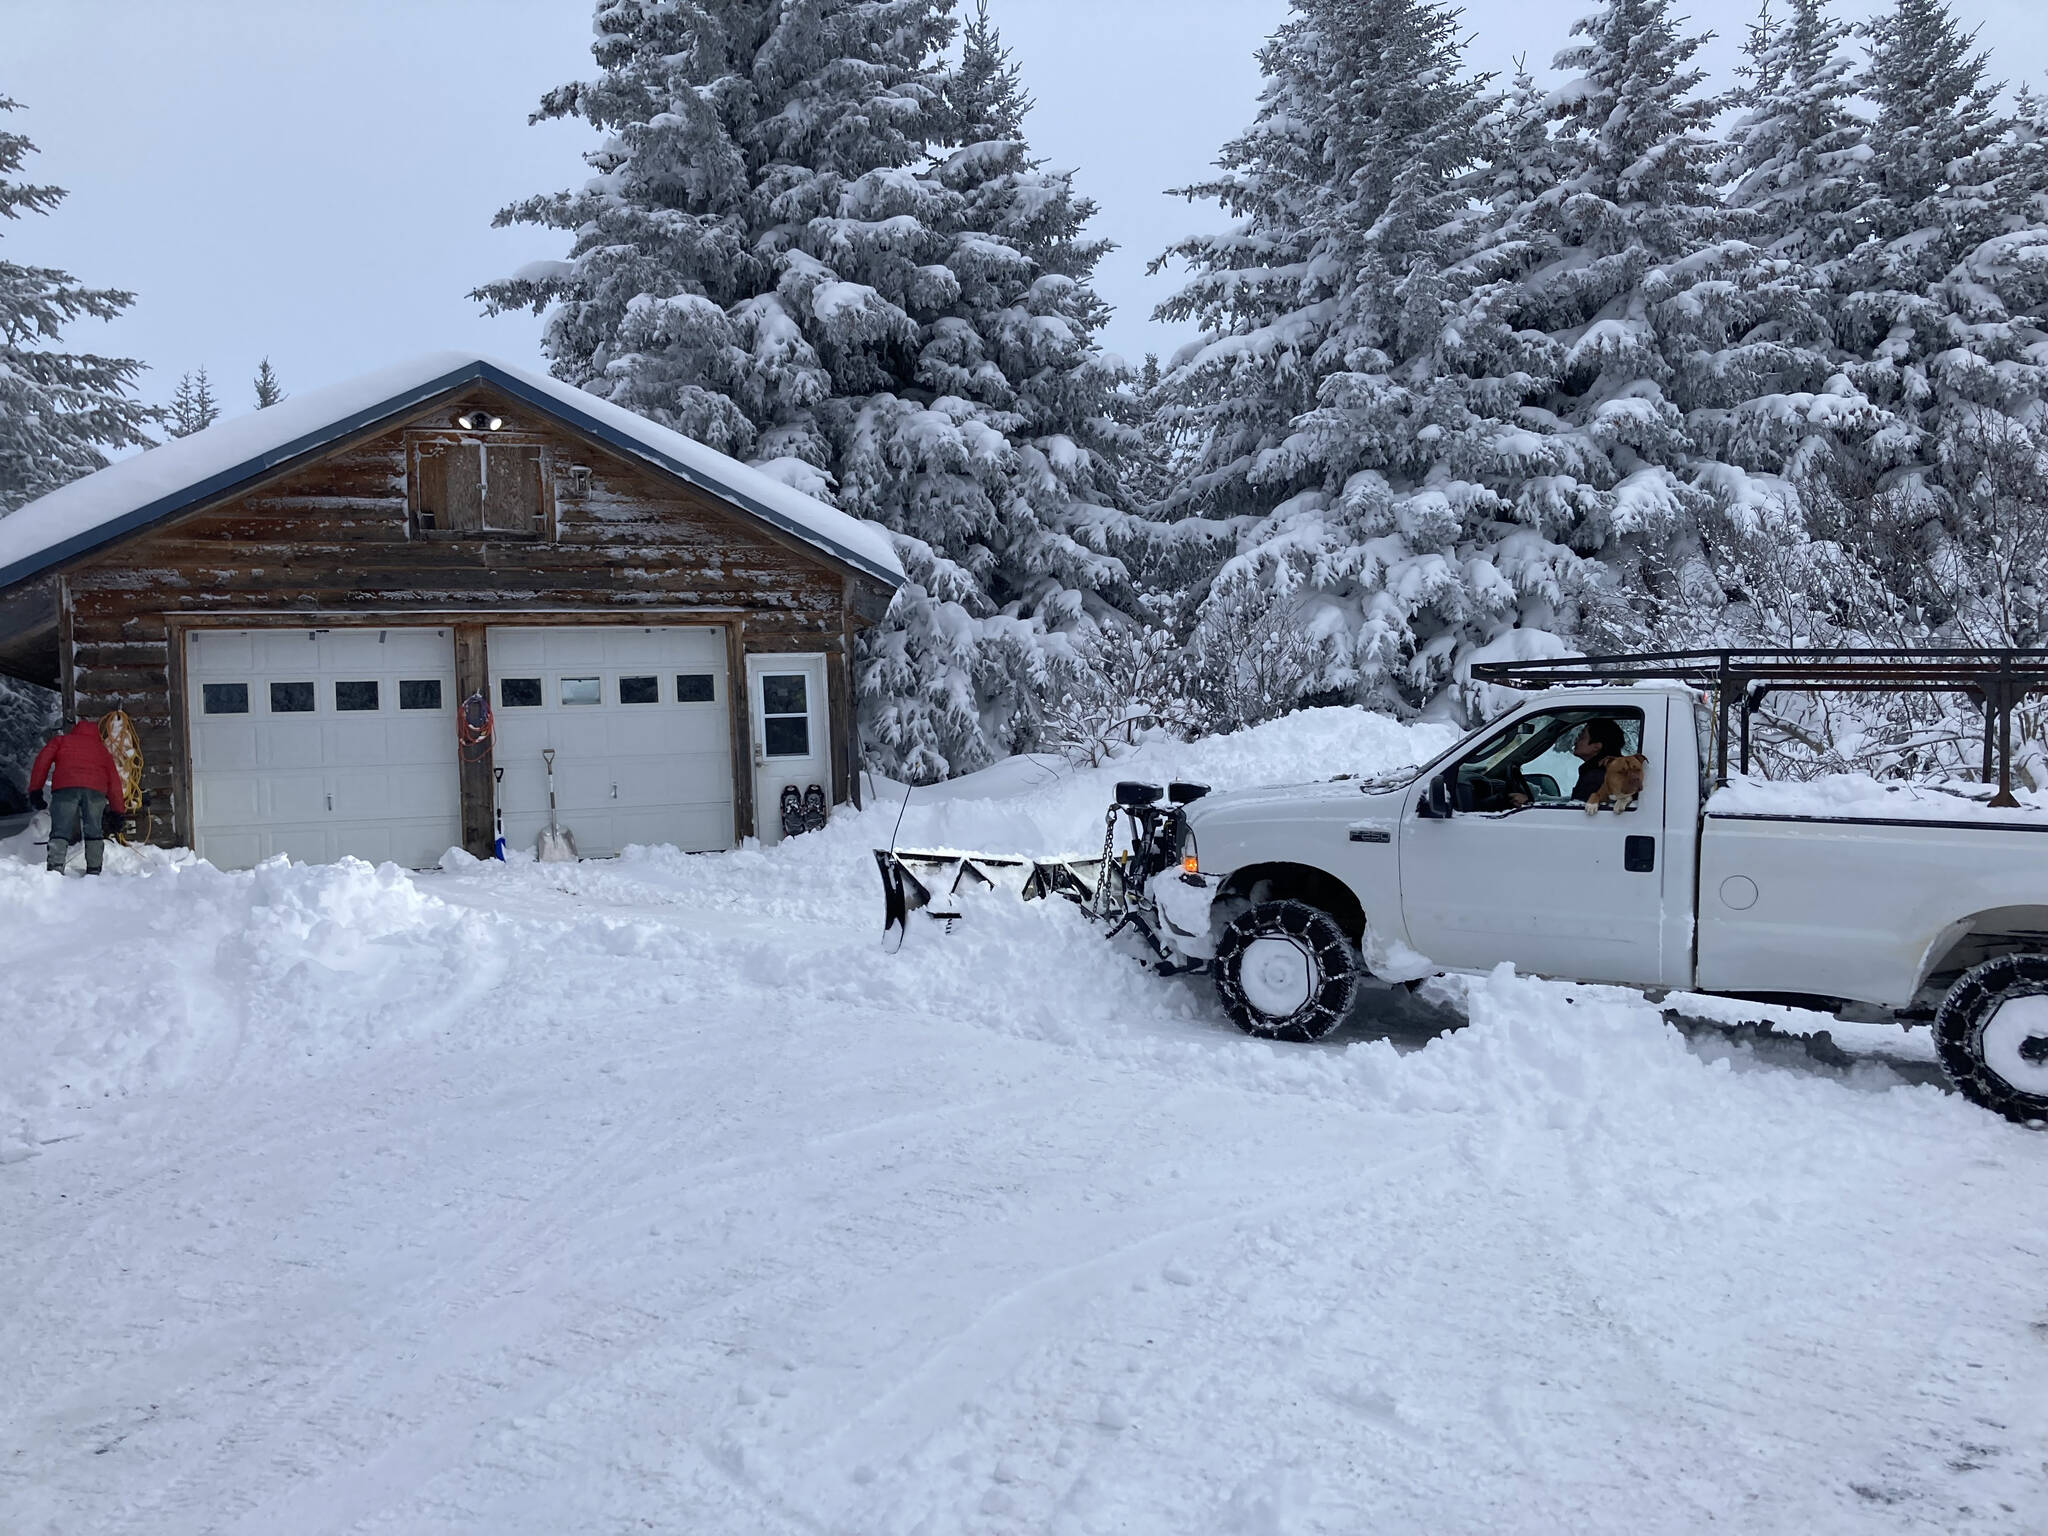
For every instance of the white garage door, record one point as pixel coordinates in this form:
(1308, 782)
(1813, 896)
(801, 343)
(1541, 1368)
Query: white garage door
(641, 727)
(323, 742)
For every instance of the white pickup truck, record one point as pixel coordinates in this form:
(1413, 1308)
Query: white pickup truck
(1921, 906)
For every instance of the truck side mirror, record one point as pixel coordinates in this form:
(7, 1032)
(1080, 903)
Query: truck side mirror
(1439, 801)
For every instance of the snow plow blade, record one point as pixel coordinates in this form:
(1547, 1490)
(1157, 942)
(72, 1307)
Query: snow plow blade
(930, 881)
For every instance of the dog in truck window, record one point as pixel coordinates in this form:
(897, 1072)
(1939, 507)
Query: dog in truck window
(1606, 771)
(1621, 781)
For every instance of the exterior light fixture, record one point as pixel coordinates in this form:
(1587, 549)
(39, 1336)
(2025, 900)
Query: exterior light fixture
(480, 421)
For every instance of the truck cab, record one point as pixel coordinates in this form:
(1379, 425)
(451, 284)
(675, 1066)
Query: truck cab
(1485, 854)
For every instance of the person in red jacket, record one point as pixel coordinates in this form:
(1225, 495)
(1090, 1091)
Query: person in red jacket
(86, 793)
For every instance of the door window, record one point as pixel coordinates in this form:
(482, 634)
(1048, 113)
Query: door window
(582, 690)
(639, 690)
(519, 692)
(419, 693)
(695, 688)
(353, 696)
(785, 714)
(1546, 759)
(225, 698)
(291, 698)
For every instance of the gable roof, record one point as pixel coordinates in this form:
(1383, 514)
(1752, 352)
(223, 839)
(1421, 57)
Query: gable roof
(161, 482)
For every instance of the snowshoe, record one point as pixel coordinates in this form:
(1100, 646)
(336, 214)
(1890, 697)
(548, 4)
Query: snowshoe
(792, 810)
(814, 808)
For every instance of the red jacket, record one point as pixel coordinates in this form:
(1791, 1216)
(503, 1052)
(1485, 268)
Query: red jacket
(82, 761)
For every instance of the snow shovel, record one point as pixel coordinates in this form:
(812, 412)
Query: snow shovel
(555, 846)
(498, 814)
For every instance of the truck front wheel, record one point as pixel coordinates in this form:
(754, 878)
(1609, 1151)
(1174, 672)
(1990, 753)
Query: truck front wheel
(1285, 971)
(1992, 1034)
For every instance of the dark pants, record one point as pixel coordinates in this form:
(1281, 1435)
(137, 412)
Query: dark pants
(76, 813)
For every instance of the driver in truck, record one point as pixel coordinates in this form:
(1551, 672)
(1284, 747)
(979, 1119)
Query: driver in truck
(1598, 742)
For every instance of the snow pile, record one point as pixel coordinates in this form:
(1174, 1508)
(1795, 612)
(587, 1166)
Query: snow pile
(288, 968)
(1859, 795)
(1046, 805)
(122, 985)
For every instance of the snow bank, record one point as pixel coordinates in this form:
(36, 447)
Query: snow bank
(1850, 795)
(1045, 805)
(168, 971)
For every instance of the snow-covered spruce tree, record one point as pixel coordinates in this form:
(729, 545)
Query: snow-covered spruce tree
(1781, 436)
(1796, 150)
(1943, 302)
(811, 244)
(1350, 463)
(996, 461)
(1572, 303)
(1901, 515)
(193, 407)
(59, 411)
(1933, 195)
(1671, 380)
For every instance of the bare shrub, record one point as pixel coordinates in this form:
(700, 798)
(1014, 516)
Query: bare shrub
(1127, 682)
(1250, 660)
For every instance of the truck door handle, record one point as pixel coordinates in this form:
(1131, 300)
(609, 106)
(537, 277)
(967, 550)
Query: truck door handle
(1639, 855)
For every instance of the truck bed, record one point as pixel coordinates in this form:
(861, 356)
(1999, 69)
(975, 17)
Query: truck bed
(1845, 887)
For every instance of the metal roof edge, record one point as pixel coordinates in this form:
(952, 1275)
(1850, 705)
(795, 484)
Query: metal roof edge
(610, 435)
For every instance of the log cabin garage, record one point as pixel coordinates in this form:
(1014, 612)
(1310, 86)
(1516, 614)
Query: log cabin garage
(355, 623)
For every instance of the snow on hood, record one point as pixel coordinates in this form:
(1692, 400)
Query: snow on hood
(104, 505)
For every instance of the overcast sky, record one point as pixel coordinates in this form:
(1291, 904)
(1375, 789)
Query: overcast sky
(315, 179)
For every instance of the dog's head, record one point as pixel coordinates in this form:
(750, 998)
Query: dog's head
(1625, 775)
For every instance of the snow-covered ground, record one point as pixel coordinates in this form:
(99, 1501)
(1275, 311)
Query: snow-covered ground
(651, 1195)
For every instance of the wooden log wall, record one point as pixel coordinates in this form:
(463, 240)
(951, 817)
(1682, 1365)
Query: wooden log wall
(335, 538)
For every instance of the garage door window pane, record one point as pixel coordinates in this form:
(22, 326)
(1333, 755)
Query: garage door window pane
(582, 690)
(352, 696)
(225, 698)
(639, 690)
(519, 692)
(291, 698)
(419, 693)
(694, 688)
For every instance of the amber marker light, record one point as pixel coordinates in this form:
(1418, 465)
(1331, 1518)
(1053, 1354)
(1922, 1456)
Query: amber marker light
(1191, 865)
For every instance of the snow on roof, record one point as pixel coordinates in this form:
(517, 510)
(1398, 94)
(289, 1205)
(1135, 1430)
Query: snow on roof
(137, 491)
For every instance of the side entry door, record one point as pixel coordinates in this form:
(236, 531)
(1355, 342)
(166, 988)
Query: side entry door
(1519, 871)
(792, 735)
